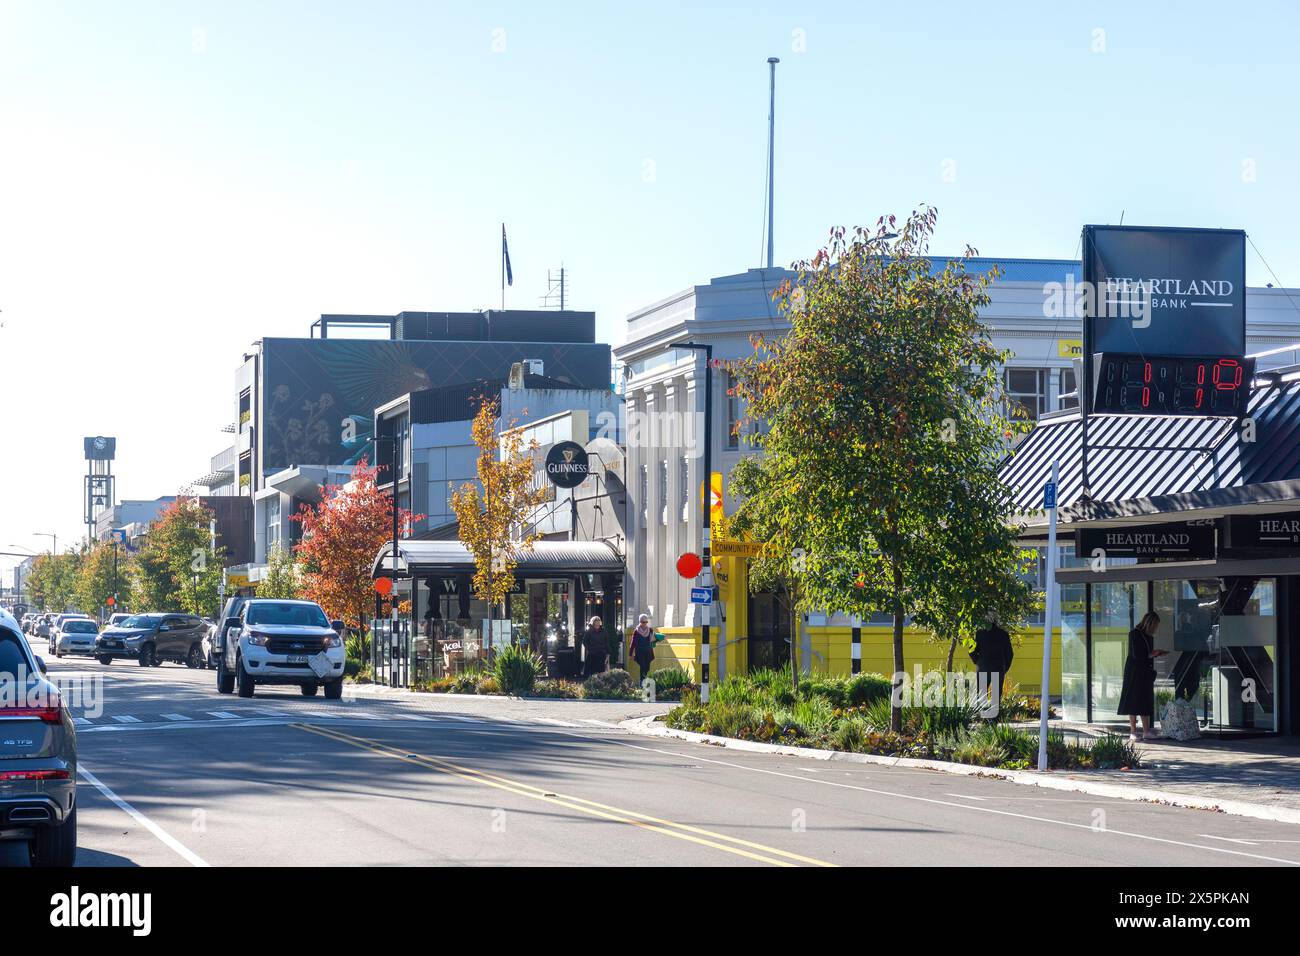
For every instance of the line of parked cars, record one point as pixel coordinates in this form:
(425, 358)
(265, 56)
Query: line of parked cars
(148, 639)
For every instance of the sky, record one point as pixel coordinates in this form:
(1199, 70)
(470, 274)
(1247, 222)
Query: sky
(179, 180)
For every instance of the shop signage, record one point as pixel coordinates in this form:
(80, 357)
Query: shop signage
(1270, 532)
(1163, 291)
(1175, 541)
(567, 464)
(722, 548)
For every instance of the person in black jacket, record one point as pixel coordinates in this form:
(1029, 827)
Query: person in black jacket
(595, 647)
(1137, 695)
(992, 657)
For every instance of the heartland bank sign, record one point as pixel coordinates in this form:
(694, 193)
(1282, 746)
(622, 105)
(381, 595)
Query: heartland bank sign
(1182, 541)
(1165, 292)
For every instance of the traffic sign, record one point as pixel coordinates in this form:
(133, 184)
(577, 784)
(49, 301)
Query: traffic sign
(701, 595)
(1049, 495)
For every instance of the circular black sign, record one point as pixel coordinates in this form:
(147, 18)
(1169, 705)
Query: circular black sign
(567, 464)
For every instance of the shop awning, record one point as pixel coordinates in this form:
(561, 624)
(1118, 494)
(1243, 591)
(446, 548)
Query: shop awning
(1141, 468)
(421, 557)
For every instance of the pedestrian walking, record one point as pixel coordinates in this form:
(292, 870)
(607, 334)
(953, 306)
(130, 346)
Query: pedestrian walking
(595, 647)
(992, 657)
(1137, 695)
(643, 645)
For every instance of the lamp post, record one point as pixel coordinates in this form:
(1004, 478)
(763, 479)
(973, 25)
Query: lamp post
(392, 441)
(706, 571)
(54, 546)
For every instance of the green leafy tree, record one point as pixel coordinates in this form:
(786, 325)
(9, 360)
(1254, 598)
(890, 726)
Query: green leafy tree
(281, 578)
(177, 569)
(886, 421)
(52, 582)
(96, 582)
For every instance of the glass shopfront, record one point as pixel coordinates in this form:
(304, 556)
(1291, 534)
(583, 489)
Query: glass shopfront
(1220, 634)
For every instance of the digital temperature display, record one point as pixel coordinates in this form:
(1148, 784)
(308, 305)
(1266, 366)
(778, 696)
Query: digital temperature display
(1171, 385)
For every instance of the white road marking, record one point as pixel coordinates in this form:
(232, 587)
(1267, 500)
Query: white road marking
(965, 796)
(965, 806)
(1211, 836)
(222, 714)
(175, 717)
(553, 722)
(597, 723)
(126, 719)
(83, 721)
(190, 857)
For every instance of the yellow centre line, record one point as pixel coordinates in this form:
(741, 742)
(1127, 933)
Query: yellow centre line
(680, 831)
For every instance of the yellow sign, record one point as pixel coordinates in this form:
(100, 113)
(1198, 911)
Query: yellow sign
(715, 499)
(237, 580)
(1069, 348)
(735, 549)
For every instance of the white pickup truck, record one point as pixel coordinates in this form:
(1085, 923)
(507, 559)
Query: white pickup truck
(281, 642)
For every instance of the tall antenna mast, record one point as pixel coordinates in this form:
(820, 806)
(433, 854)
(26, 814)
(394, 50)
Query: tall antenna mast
(557, 288)
(771, 156)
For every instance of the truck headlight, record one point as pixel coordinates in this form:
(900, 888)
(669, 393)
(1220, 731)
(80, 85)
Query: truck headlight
(333, 641)
(256, 638)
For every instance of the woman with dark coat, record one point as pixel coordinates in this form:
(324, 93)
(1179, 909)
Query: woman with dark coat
(643, 645)
(595, 648)
(1137, 696)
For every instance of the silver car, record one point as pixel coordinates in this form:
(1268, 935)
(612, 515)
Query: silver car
(76, 635)
(38, 755)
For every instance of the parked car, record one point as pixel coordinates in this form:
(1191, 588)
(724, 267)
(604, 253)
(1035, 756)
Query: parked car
(38, 756)
(281, 642)
(150, 639)
(116, 619)
(76, 636)
(44, 624)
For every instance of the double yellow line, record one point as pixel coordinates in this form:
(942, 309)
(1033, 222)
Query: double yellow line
(678, 831)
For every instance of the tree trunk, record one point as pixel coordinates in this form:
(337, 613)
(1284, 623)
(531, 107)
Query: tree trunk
(895, 712)
(952, 649)
(794, 641)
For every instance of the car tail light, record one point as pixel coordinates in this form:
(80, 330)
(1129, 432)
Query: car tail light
(51, 714)
(34, 775)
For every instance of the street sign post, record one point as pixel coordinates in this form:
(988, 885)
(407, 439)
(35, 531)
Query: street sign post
(701, 595)
(1049, 619)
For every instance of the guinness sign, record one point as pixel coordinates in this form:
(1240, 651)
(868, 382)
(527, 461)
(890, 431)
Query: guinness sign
(567, 464)
(1175, 541)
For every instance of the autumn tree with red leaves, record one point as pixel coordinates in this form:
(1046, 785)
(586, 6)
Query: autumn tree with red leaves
(340, 538)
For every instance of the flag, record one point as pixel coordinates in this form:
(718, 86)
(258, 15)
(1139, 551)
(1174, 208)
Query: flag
(505, 253)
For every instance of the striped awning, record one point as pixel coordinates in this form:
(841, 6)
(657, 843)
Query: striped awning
(450, 557)
(1190, 463)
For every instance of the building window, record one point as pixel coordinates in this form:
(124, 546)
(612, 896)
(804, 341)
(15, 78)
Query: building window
(663, 490)
(684, 481)
(273, 529)
(1066, 385)
(1027, 392)
(645, 495)
(733, 413)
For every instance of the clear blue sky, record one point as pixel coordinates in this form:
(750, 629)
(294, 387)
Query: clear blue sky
(180, 179)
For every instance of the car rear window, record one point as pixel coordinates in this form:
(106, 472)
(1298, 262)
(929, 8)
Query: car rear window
(12, 658)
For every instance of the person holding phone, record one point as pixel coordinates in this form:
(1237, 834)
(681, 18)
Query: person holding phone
(1137, 695)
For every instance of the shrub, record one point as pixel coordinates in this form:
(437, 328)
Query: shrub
(516, 669)
(611, 685)
(557, 687)
(487, 684)
(670, 679)
(863, 689)
(1111, 752)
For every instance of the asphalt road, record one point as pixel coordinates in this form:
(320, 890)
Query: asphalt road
(175, 774)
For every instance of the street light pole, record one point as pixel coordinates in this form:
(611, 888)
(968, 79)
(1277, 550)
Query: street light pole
(54, 547)
(706, 570)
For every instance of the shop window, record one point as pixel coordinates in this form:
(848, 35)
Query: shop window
(1026, 392)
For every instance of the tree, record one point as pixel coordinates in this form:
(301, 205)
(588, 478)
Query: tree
(96, 582)
(492, 512)
(281, 579)
(52, 582)
(177, 568)
(886, 423)
(340, 537)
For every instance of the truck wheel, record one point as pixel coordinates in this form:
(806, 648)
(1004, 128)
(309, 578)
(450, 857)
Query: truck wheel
(334, 688)
(308, 690)
(245, 680)
(55, 845)
(225, 679)
(146, 656)
(105, 659)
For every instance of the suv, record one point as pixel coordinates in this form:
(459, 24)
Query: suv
(281, 642)
(38, 756)
(76, 635)
(153, 638)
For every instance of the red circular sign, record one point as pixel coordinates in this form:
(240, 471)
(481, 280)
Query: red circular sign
(111, 601)
(689, 565)
(384, 585)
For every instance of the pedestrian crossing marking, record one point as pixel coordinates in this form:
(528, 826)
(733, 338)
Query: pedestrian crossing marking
(83, 721)
(126, 719)
(223, 715)
(175, 717)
